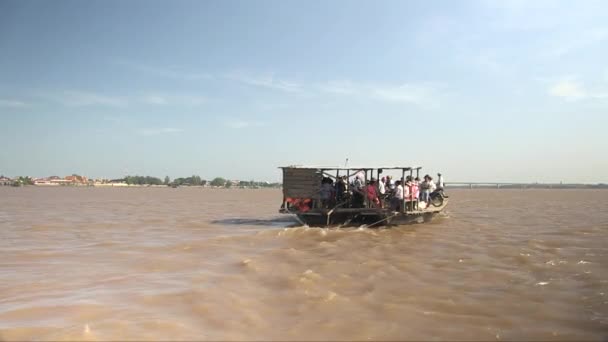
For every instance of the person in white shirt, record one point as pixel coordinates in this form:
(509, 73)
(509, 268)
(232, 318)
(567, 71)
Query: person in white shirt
(391, 183)
(440, 181)
(357, 191)
(326, 193)
(381, 186)
(398, 196)
(432, 185)
(425, 189)
(358, 183)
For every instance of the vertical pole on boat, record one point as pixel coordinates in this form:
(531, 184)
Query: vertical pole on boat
(413, 201)
(284, 205)
(403, 185)
(348, 187)
(365, 201)
(371, 175)
(336, 194)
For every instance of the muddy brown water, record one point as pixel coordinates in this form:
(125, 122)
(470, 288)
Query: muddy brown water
(203, 264)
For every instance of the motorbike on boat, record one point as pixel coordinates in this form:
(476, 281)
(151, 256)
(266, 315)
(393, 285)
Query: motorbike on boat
(437, 197)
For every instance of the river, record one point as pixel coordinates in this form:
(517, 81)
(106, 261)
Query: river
(210, 264)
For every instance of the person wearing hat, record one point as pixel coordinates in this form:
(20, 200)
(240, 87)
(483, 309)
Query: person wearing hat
(440, 183)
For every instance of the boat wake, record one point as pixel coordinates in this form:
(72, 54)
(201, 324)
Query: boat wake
(274, 222)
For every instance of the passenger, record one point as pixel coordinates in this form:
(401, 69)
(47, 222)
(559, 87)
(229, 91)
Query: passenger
(382, 186)
(397, 200)
(389, 183)
(415, 192)
(407, 193)
(357, 183)
(372, 194)
(357, 191)
(326, 192)
(340, 189)
(425, 189)
(440, 182)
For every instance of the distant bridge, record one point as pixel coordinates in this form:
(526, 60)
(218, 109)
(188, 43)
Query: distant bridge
(497, 185)
(512, 185)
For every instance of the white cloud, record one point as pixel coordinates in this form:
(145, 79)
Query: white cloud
(157, 131)
(173, 72)
(155, 100)
(82, 98)
(488, 61)
(238, 123)
(114, 119)
(525, 15)
(11, 103)
(419, 94)
(519, 6)
(578, 41)
(266, 81)
(574, 90)
(339, 87)
(423, 94)
(568, 89)
(187, 100)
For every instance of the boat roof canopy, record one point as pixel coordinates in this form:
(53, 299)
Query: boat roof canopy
(324, 168)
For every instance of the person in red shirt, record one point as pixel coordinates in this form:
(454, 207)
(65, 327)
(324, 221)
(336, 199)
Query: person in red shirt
(414, 193)
(371, 191)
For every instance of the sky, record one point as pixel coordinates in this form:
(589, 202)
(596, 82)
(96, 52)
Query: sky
(479, 90)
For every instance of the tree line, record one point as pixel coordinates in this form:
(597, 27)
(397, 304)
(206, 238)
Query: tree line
(196, 180)
(193, 180)
(20, 181)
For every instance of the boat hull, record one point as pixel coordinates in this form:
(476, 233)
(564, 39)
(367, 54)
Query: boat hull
(366, 217)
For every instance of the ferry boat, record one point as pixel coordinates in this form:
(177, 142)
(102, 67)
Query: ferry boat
(302, 197)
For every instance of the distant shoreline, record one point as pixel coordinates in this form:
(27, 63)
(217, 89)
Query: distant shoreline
(121, 186)
(529, 186)
(448, 188)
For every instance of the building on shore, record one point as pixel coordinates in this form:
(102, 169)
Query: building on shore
(5, 181)
(115, 182)
(77, 180)
(57, 181)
